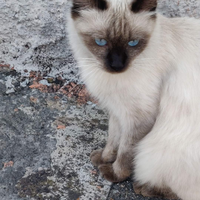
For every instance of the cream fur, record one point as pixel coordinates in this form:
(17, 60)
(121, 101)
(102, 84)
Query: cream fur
(160, 92)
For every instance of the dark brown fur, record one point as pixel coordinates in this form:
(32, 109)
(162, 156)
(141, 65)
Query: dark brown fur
(106, 169)
(118, 35)
(144, 5)
(148, 191)
(108, 173)
(117, 45)
(97, 159)
(79, 5)
(137, 6)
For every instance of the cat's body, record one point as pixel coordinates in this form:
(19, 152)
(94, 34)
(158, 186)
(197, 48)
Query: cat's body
(153, 102)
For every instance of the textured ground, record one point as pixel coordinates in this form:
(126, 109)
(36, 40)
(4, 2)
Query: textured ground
(48, 123)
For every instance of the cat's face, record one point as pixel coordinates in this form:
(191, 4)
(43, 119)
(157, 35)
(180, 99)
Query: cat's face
(115, 31)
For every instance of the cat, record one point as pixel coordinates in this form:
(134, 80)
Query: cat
(144, 69)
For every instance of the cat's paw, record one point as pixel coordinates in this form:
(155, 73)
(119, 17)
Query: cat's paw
(96, 157)
(107, 171)
(147, 191)
(144, 190)
(100, 156)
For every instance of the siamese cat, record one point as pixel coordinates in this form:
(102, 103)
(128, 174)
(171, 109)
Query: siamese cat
(144, 69)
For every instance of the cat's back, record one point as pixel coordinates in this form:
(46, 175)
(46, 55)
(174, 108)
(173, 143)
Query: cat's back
(181, 37)
(183, 33)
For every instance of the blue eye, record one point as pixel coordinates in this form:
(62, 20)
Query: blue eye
(101, 42)
(133, 43)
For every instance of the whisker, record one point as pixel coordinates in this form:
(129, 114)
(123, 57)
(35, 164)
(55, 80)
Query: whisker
(88, 75)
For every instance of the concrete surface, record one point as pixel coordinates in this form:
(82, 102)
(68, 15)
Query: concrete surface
(48, 124)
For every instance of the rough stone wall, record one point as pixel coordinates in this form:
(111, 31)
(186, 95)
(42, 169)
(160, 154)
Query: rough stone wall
(33, 37)
(33, 34)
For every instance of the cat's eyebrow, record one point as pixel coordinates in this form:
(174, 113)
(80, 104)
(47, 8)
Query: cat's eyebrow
(79, 5)
(100, 4)
(144, 5)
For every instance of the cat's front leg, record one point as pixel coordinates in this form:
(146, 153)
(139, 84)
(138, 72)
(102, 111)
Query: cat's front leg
(109, 153)
(122, 168)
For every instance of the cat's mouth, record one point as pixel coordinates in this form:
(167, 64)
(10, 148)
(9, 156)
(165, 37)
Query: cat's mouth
(118, 69)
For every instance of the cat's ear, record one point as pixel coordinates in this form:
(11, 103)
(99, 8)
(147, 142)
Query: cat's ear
(79, 5)
(144, 5)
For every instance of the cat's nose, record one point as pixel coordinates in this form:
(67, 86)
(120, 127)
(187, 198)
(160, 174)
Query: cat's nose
(116, 61)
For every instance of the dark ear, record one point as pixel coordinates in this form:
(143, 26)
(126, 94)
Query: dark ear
(144, 5)
(79, 5)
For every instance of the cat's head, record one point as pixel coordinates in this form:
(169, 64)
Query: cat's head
(115, 31)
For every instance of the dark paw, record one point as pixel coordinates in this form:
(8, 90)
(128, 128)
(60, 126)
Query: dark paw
(147, 191)
(144, 190)
(96, 157)
(108, 173)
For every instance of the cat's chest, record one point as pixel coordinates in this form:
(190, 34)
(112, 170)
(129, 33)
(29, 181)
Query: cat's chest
(130, 99)
(127, 94)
